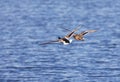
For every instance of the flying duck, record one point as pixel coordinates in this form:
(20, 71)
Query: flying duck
(65, 40)
(80, 36)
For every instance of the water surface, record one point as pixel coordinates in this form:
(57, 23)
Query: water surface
(25, 24)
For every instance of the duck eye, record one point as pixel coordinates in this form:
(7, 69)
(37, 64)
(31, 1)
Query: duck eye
(59, 37)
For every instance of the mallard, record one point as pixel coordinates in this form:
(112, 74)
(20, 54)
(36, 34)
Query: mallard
(80, 36)
(65, 40)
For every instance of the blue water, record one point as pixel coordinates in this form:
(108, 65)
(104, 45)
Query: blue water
(24, 24)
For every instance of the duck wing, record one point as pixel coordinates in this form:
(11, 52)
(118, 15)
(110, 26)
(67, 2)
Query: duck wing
(71, 33)
(50, 42)
(87, 31)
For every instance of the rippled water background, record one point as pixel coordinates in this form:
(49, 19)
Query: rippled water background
(26, 23)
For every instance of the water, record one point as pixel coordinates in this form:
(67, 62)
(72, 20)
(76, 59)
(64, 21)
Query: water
(25, 24)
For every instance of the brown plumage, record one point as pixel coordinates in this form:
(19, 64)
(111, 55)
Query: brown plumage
(81, 35)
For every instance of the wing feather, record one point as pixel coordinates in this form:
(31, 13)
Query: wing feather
(50, 42)
(71, 33)
(87, 31)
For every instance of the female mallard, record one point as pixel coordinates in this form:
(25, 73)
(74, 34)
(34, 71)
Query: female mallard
(80, 36)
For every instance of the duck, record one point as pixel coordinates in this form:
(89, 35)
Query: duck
(80, 36)
(65, 40)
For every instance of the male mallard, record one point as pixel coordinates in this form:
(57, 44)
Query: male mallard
(65, 40)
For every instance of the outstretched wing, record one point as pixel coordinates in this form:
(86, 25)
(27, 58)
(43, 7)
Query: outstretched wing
(71, 33)
(65, 28)
(87, 31)
(50, 42)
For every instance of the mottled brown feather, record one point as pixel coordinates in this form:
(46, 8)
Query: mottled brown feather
(81, 35)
